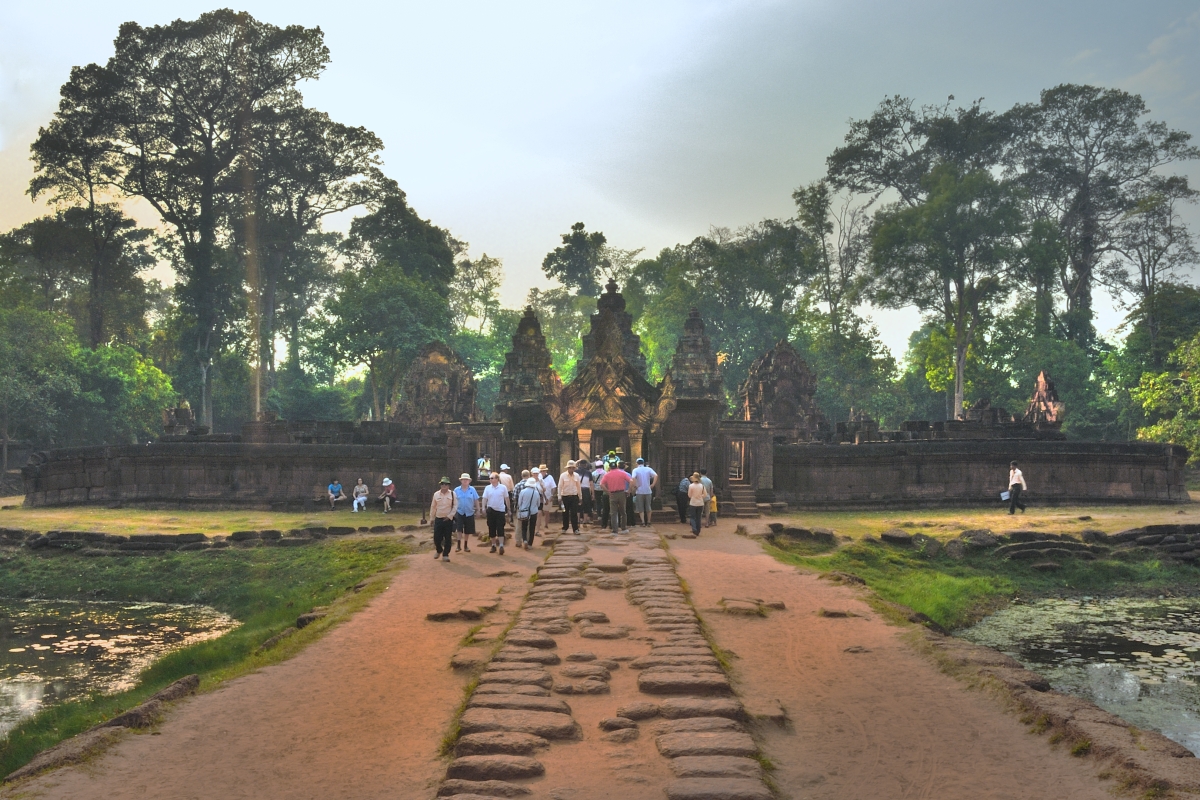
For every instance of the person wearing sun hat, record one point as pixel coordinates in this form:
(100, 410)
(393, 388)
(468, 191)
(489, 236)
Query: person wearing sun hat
(388, 495)
(441, 516)
(466, 504)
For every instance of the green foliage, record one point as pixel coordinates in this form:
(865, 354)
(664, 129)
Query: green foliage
(855, 370)
(38, 382)
(579, 263)
(1174, 397)
(122, 395)
(264, 588)
(565, 318)
(955, 594)
(484, 354)
(298, 396)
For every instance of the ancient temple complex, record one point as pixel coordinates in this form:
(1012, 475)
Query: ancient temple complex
(767, 445)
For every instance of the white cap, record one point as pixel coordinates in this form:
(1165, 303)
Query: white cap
(387, 481)
(464, 477)
(504, 466)
(535, 471)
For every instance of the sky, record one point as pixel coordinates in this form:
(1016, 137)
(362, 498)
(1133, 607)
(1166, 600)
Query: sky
(650, 121)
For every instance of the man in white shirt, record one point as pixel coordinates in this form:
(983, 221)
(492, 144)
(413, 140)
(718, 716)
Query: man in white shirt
(1016, 485)
(644, 481)
(570, 493)
(506, 480)
(548, 491)
(495, 500)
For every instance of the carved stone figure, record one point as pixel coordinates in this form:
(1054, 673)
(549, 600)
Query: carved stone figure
(1044, 410)
(437, 388)
(779, 392)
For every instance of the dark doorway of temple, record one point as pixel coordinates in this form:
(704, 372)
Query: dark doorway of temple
(606, 441)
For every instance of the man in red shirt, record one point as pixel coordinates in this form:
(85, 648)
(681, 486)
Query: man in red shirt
(616, 483)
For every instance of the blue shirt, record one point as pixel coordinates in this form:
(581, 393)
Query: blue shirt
(466, 500)
(335, 489)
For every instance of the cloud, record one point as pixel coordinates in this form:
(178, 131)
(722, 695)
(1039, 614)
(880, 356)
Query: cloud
(1171, 62)
(1084, 55)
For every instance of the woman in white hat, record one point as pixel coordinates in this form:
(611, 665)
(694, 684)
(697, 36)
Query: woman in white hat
(388, 495)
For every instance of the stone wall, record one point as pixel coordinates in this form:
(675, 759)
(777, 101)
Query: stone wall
(975, 472)
(214, 473)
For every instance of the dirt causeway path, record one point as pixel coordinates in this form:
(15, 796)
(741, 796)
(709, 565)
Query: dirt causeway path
(361, 713)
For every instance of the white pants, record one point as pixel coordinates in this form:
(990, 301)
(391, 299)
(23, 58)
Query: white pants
(360, 502)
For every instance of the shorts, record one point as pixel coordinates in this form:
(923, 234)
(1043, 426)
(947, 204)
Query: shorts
(464, 524)
(642, 503)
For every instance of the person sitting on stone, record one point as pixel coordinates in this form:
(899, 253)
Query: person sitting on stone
(388, 495)
(335, 493)
(360, 493)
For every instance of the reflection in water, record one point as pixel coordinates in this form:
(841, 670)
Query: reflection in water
(1137, 658)
(52, 651)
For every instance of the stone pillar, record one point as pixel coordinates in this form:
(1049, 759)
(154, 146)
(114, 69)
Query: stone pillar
(566, 452)
(585, 443)
(635, 445)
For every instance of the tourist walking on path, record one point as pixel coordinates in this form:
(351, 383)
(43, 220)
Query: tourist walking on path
(506, 481)
(601, 498)
(529, 503)
(570, 493)
(335, 493)
(697, 502)
(441, 516)
(681, 499)
(361, 492)
(616, 485)
(1016, 485)
(549, 488)
(644, 481)
(584, 468)
(495, 504)
(388, 495)
(707, 483)
(466, 502)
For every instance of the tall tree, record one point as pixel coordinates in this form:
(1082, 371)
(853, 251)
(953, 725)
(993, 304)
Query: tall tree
(179, 105)
(475, 290)
(837, 249)
(948, 255)
(1083, 153)
(303, 168)
(1155, 241)
(37, 350)
(579, 263)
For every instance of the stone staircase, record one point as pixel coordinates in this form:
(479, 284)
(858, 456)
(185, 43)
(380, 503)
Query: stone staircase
(741, 502)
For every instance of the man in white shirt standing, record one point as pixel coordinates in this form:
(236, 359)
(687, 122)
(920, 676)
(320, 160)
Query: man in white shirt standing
(1016, 485)
(644, 481)
(570, 493)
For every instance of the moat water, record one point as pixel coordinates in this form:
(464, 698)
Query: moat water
(1137, 658)
(56, 651)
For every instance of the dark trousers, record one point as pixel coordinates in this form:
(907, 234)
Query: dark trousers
(617, 512)
(570, 512)
(1014, 498)
(695, 513)
(495, 521)
(528, 526)
(681, 500)
(585, 504)
(443, 533)
(602, 507)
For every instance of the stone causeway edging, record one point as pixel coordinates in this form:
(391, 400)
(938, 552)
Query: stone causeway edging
(96, 543)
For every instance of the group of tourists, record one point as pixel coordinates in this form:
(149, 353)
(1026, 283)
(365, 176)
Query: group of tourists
(696, 500)
(587, 493)
(360, 494)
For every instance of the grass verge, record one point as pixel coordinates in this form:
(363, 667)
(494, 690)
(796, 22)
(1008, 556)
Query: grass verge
(958, 593)
(264, 588)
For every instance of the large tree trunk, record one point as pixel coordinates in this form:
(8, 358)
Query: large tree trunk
(960, 365)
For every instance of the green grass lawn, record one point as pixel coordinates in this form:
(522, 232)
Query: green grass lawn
(944, 523)
(264, 588)
(146, 520)
(957, 593)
